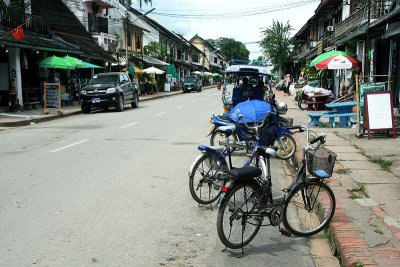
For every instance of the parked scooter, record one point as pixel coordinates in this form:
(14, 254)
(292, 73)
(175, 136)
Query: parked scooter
(273, 132)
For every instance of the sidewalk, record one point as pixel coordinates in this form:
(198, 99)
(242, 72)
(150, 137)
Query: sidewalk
(27, 117)
(365, 230)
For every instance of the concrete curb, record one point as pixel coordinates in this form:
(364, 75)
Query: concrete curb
(29, 121)
(67, 113)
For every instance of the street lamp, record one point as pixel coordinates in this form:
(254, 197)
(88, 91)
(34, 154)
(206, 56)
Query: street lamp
(126, 32)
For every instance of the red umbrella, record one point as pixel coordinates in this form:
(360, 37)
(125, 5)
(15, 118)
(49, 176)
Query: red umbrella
(339, 62)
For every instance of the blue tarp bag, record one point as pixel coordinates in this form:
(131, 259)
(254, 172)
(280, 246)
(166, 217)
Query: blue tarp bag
(253, 111)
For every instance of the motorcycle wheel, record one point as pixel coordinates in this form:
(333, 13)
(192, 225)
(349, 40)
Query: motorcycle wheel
(286, 146)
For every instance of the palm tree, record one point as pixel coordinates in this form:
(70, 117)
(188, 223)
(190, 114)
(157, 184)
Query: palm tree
(277, 43)
(146, 2)
(141, 2)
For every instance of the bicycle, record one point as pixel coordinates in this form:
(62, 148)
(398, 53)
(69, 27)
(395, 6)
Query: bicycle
(302, 102)
(305, 208)
(207, 173)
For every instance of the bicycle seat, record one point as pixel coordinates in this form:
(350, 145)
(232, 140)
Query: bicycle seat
(217, 149)
(228, 130)
(225, 118)
(244, 174)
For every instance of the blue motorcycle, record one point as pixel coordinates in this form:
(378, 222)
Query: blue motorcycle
(273, 132)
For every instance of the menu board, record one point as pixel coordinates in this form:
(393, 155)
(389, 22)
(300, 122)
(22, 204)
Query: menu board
(379, 111)
(52, 96)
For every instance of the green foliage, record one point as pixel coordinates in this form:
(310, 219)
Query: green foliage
(156, 50)
(277, 43)
(140, 2)
(385, 165)
(358, 192)
(310, 72)
(230, 48)
(14, 8)
(343, 171)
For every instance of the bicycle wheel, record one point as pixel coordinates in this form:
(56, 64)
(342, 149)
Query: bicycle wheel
(205, 181)
(309, 208)
(286, 146)
(220, 139)
(235, 227)
(303, 104)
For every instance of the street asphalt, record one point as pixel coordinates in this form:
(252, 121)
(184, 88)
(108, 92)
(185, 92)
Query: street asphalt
(365, 230)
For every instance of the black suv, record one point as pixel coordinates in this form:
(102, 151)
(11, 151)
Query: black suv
(191, 83)
(109, 89)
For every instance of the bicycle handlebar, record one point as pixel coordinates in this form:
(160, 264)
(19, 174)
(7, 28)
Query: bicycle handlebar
(320, 138)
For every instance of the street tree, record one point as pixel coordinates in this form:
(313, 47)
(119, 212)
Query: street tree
(277, 44)
(140, 2)
(156, 50)
(230, 48)
(16, 7)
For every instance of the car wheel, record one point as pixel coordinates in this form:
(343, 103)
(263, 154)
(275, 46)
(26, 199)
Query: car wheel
(86, 108)
(135, 102)
(120, 105)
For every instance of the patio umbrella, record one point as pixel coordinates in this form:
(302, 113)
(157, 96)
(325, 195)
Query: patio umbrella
(338, 63)
(55, 62)
(215, 74)
(207, 73)
(91, 66)
(135, 69)
(77, 63)
(196, 72)
(326, 55)
(153, 70)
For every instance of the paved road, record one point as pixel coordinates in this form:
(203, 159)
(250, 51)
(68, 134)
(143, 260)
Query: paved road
(111, 188)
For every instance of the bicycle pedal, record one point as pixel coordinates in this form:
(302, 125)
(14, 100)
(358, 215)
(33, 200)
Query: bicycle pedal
(285, 232)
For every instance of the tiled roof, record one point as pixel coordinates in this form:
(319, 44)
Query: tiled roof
(38, 42)
(65, 24)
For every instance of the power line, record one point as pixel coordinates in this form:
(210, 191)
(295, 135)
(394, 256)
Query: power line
(235, 14)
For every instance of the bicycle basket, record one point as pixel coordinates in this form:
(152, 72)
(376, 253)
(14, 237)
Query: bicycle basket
(320, 162)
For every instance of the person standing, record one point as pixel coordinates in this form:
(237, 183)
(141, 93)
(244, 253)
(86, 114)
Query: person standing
(287, 83)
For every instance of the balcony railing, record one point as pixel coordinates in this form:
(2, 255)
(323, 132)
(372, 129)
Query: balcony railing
(32, 23)
(97, 24)
(378, 9)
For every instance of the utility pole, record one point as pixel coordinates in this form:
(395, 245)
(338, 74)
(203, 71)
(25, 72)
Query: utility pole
(367, 46)
(126, 36)
(180, 77)
(204, 56)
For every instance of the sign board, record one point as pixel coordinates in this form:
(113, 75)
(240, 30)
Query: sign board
(365, 88)
(52, 96)
(379, 112)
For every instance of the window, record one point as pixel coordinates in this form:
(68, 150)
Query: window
(195, 58)
(179, 54)
(138, 41)
(215, 60)
(128, 37)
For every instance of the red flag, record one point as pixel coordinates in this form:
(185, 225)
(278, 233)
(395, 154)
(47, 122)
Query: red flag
(18, 33)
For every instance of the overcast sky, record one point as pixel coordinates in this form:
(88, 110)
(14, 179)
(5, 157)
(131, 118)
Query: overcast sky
(238, 19)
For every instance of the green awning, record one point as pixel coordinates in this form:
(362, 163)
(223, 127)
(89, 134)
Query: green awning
(172, 71)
